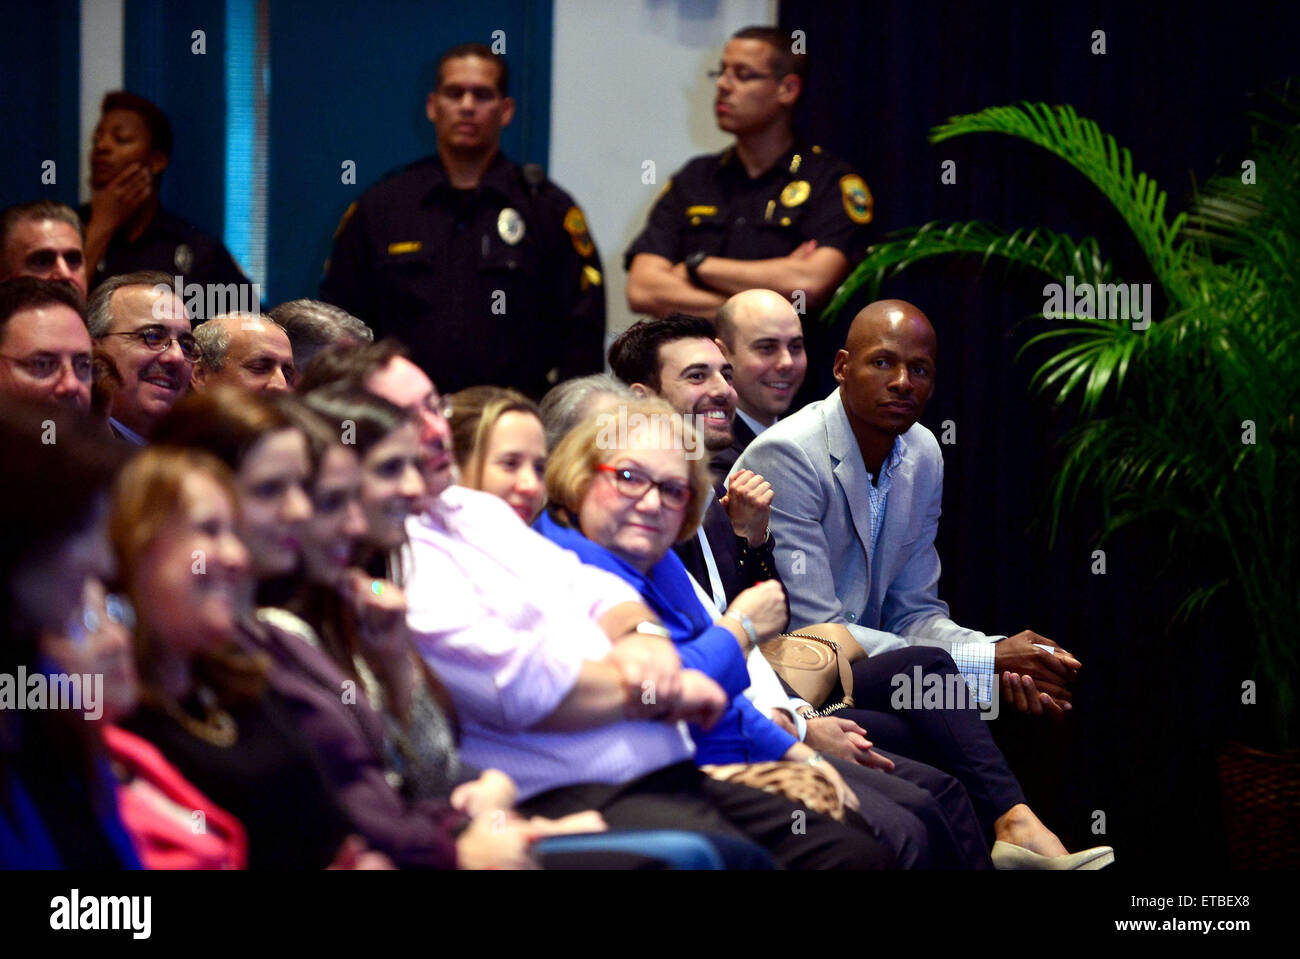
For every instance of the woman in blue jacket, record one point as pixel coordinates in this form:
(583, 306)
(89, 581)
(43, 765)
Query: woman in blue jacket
(622, 491)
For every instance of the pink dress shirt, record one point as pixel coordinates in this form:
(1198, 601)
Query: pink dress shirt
(506, 618)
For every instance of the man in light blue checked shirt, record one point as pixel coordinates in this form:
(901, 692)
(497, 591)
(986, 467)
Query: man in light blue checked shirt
(858, 487)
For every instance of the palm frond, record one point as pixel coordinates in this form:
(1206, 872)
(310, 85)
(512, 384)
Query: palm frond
(1079, 142)
(1055, 254)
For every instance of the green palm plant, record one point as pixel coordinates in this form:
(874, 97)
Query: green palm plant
(1191, 422)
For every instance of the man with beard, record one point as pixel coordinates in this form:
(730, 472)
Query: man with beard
(677, 358)
(142, 329)
(45, 350)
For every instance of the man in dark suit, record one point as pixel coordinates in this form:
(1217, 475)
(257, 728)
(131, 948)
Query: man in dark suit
(760, 335)
(676, 358)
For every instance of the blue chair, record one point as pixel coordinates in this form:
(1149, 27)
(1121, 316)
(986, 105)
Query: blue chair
(674, 849)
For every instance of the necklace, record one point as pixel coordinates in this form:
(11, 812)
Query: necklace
(217, 726)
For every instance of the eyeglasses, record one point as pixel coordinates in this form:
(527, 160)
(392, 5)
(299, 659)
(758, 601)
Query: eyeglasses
(45, 366)
(435, 404)
(158, 339)
(88, 621)
(634, 484)
(739, 74)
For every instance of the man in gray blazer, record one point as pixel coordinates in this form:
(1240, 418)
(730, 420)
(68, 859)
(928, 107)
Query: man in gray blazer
(858, 488)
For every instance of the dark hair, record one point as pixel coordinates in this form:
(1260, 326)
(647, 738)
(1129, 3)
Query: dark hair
(160, 128)
(56, 473)
(38, 210)
(106, 380)
(634, 356)
(483, 51)
(29, 293)
(99, 316)
(345, 406)
(349, 410)
(56, 467)
(146, 497)
(226, 421)
(321, 437)
(784, 59)
(351, 363)
(313, 325)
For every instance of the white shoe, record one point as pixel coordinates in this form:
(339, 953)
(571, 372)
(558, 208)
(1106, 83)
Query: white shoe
(1007, 855)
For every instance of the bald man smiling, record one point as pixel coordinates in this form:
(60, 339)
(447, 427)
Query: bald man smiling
(760, 334)
(858, 488)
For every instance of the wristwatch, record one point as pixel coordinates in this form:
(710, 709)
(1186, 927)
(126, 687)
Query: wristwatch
(746, 624)
(693, 264)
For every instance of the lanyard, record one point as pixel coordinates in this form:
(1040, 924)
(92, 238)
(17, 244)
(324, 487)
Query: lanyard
(715, 579)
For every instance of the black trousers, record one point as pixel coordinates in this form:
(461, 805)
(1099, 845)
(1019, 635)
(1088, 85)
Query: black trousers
(681, 797)
(954, 740)
(924, 815)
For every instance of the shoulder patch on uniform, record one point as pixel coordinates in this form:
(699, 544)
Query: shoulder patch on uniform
(857, 198)
(575, 224)
(343, 221)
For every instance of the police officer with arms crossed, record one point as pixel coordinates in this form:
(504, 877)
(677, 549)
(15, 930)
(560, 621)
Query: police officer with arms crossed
(484, 269)
(768, 212)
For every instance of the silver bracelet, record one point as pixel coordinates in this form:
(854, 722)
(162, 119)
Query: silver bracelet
(748, 626)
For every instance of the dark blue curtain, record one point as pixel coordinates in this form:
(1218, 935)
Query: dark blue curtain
(40, 60)
(348, 82)
(160, 64)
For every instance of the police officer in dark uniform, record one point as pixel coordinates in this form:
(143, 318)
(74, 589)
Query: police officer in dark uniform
(126, 228)
(768, 212)
(484, 269)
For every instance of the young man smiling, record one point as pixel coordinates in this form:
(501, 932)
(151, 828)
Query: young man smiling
(676, 358)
